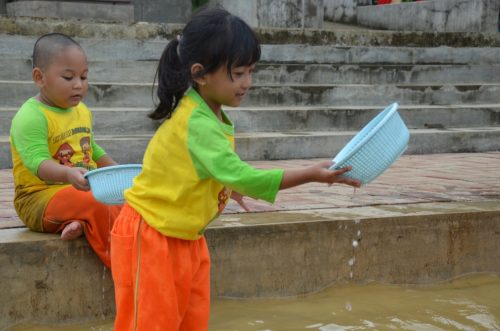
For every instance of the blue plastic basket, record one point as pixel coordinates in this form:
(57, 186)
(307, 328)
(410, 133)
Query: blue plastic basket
(109, 183)
(376, 147)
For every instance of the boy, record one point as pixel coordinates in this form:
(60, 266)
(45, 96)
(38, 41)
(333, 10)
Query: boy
(53, 146)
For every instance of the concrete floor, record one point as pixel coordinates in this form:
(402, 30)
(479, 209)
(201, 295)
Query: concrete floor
(442, 178)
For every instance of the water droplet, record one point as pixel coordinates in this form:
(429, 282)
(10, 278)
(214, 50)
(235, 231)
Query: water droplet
(354, 243)
(359, 233)
(348, 306)
(351, 261)
(351, 274)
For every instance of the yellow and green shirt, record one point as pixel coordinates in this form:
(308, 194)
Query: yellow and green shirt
(190, 169)
(38, 133)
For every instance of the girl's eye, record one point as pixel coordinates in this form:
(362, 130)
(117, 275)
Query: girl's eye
(83, 78)
(67, 78)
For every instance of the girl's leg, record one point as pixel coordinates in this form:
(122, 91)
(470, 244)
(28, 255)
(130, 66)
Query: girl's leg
(198, 306)
(70, 205)
(161, 283)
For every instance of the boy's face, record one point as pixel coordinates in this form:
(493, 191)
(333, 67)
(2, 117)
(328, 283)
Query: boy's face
(218, 88)
(63, 83)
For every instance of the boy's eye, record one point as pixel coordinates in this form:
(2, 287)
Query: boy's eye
(83, 78)
(67, 78)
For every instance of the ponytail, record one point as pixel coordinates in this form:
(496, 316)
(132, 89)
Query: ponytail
(173, 81)
(213, 38)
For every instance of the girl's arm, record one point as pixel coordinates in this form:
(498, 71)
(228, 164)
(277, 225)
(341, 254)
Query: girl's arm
(317, 173)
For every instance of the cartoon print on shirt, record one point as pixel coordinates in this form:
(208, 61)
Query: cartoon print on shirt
(85, 144)
(64, 154)
(223, 197)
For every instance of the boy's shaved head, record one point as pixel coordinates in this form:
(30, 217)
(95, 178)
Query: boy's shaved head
(47, 47)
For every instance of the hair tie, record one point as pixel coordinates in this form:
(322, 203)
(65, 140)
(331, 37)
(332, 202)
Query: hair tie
(179, 38)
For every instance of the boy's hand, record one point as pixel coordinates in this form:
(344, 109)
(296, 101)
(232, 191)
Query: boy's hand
(239, 199)
(325, 175)
(75, 177)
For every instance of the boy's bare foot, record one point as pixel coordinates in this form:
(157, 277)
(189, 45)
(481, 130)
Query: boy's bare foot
(72, 231)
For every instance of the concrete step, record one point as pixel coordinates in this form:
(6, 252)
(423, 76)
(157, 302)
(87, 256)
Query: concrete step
(102, 49)
(302, 144)
(309, 118)
(287, 73)
(343, 37)
(14, 93)
(375, 74)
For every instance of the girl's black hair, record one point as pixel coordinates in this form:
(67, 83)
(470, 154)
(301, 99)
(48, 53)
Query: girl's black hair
(213, 37)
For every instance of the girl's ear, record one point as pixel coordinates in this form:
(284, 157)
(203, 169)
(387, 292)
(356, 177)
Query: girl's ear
(38, 77)
(196, 73)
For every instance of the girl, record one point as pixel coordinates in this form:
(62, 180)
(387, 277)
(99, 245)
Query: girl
(160, 261)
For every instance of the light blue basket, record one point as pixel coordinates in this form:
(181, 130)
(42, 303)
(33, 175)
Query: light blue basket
(109, 183)
(376, 147)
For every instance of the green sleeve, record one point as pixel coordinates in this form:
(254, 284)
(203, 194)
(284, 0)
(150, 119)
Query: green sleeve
(213, 157)
(29, 134)
(97, 151)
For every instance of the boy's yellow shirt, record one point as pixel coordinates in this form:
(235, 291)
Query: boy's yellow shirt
(38, 133)
(190, 169)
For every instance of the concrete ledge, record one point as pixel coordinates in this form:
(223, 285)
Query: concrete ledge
(433, 15)
(265, 255)
(47, 280)
(117, 12)
(24, 26)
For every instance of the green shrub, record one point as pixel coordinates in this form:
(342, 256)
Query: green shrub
(195, 4)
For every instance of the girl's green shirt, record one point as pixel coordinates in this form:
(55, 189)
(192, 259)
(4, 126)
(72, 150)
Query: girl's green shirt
(190, 169)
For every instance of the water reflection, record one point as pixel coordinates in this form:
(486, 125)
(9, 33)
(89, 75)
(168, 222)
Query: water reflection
(466, 304)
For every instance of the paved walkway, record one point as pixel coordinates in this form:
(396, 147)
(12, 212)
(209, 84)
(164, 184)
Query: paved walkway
(412, 179)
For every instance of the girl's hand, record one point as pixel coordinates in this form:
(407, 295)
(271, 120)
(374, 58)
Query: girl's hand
(239, 199)
(75, 177)
(323, 174)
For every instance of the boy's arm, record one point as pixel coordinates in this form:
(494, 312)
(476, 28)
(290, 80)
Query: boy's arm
(105, 161)
(51, 171)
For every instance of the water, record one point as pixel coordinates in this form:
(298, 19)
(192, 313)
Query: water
(467, 304)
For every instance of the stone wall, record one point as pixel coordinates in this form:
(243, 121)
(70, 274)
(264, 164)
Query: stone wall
(343, 10)
(433, 16)
(160, 11)
(104, 11)
(277, 13)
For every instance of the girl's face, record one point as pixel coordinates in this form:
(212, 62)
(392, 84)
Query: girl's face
(217, 88)
(64, 82)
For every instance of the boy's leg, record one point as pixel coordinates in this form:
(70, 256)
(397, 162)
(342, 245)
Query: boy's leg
(161, 283)
(72, 230)
(70, 205)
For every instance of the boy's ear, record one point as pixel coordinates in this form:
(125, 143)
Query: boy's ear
(37, 76)
(196, 73)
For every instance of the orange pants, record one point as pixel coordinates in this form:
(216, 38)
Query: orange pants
(69, 205)
(161, 283)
